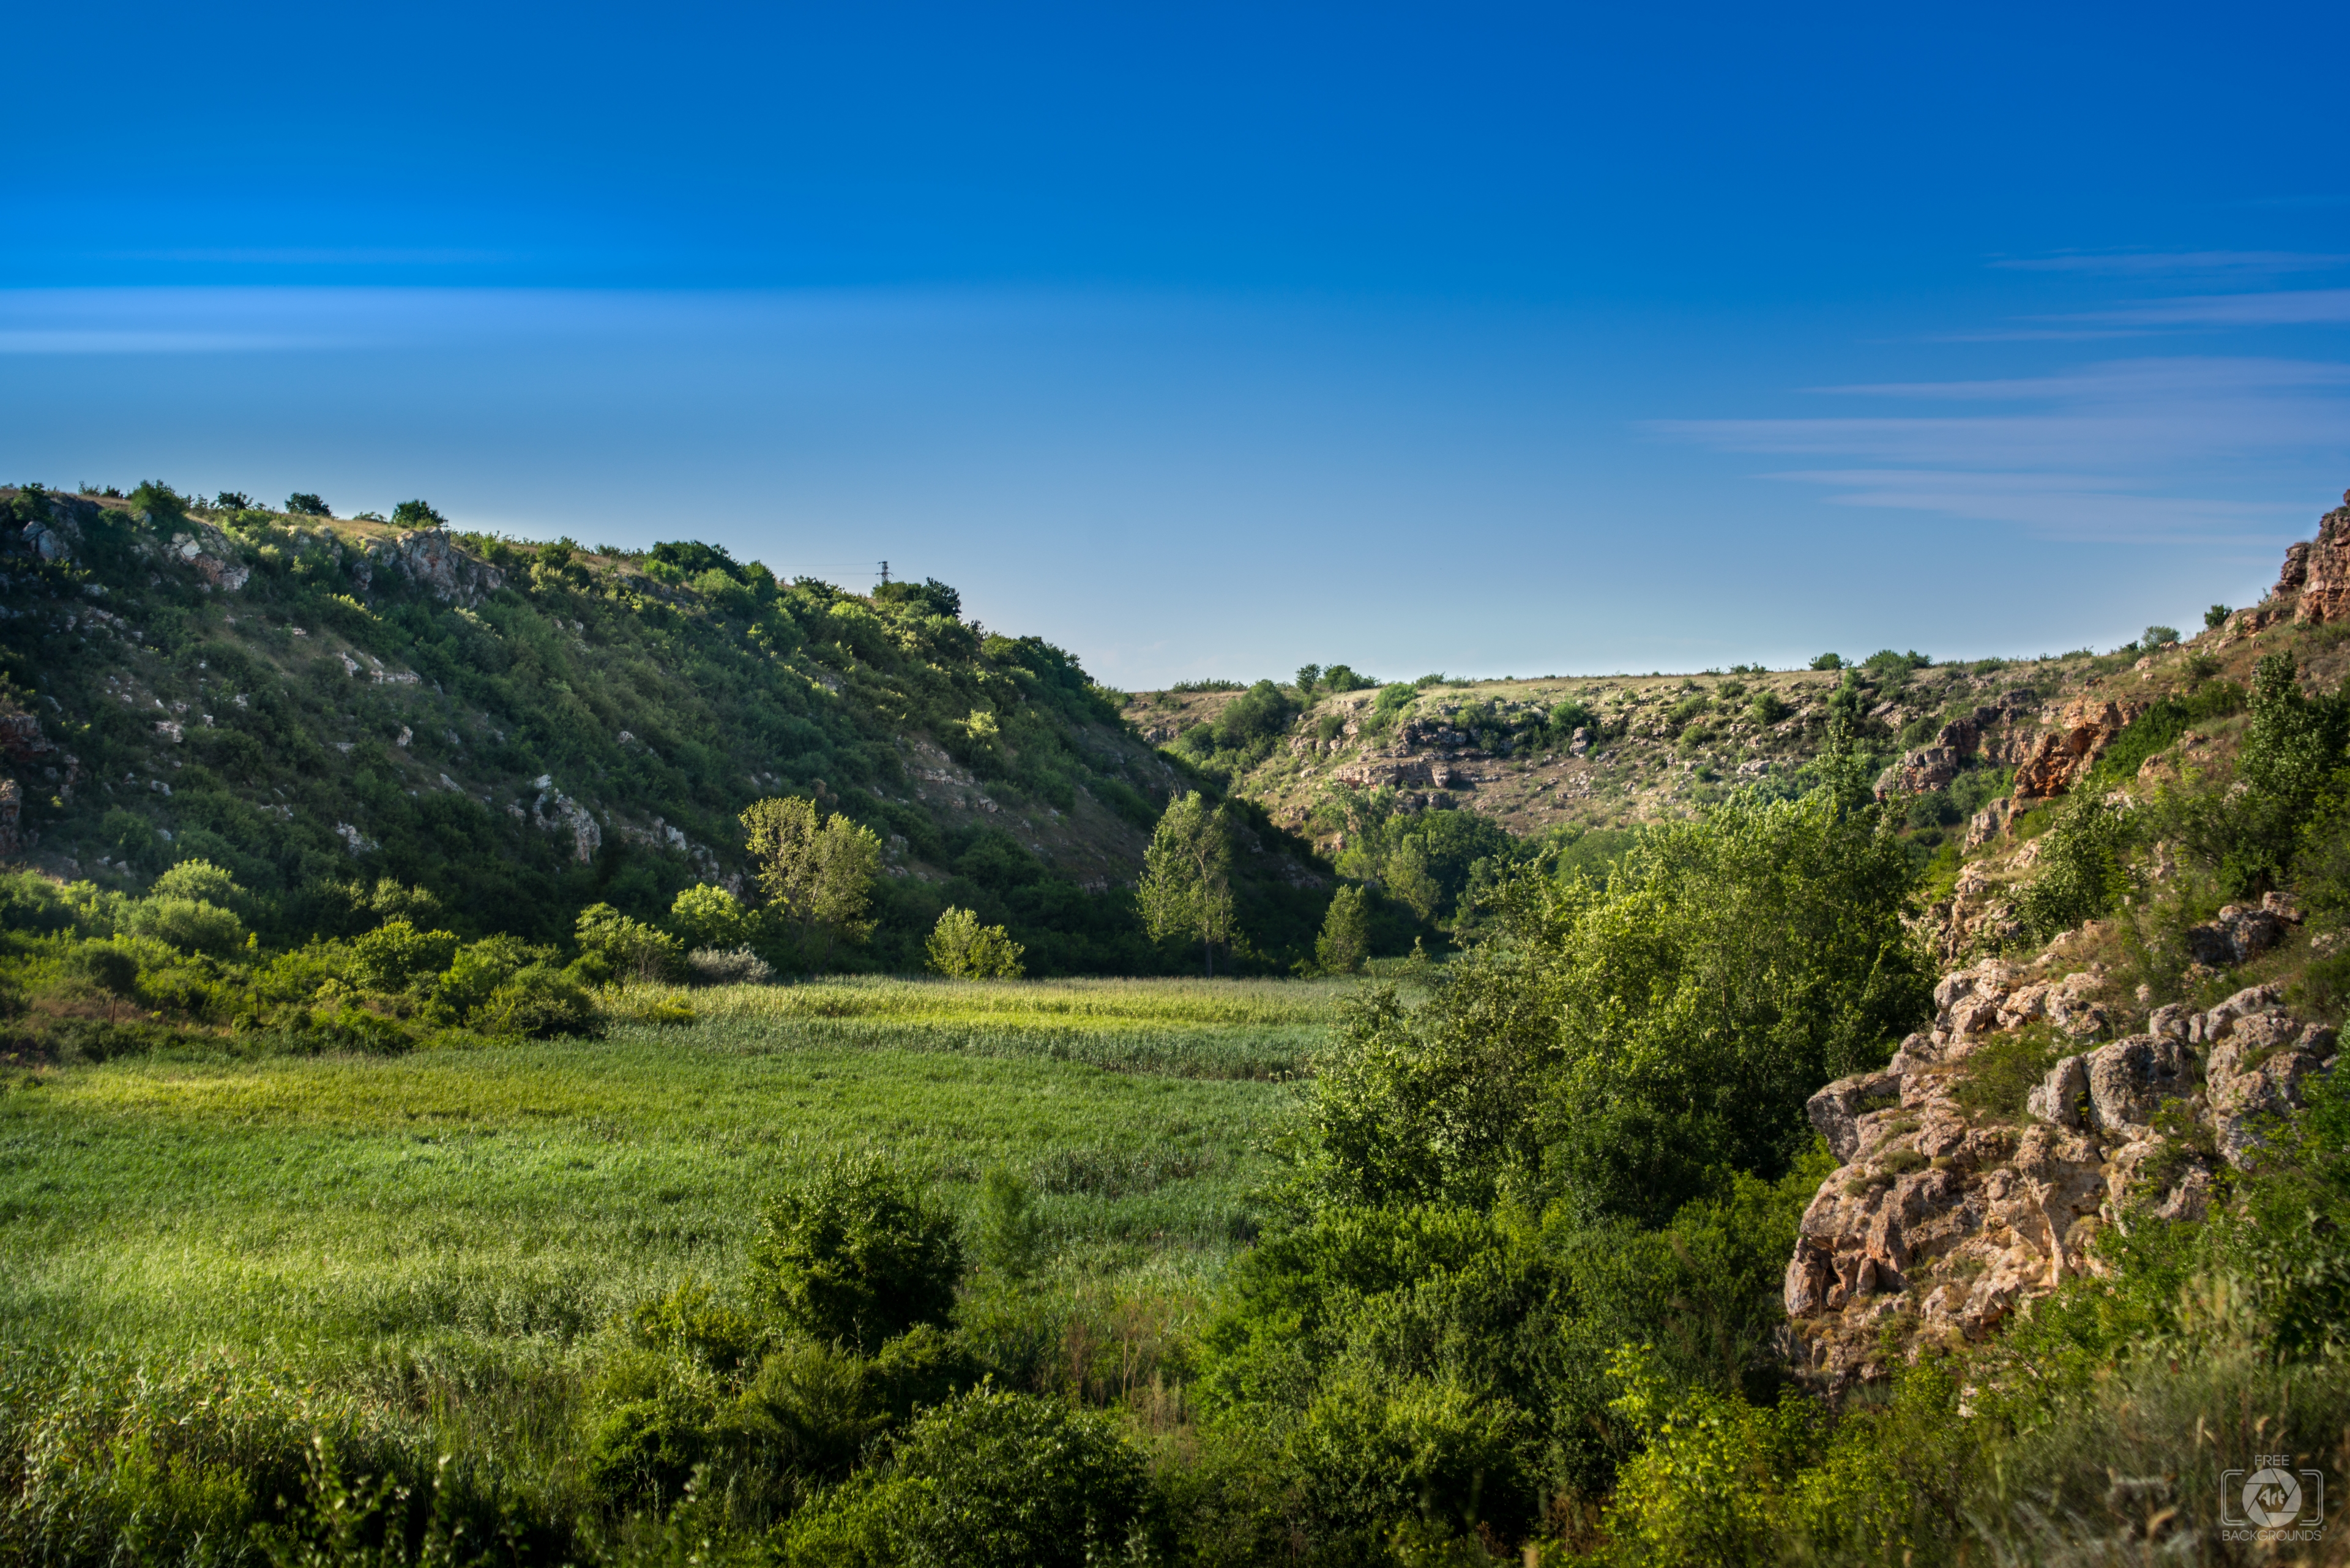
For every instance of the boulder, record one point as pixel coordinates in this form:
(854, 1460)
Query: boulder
(2241, 933)
(1835, 1111)
(2129, 1079)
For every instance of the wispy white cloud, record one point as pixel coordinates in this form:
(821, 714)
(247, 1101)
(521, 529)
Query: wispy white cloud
(2154, 263)
(2092, 454)
(2275, 307)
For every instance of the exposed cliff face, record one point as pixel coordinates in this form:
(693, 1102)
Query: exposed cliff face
(2323, 568)
(1947, 1216)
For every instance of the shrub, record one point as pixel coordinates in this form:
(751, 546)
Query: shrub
(1264, 709)
(416, 515)
(856, 1257)
(539, 1001)
(708, 917)
(1828, 661)
(2081, 872)
(1011, 1231)
(198, 880)
(395, 955)
(734, 966)
(188, 924)
(2216, 617)
(961, 949)
(1767, 708)
(632, 948)
(999, 1479)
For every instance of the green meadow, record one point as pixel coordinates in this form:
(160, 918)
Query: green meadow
(443, 1242)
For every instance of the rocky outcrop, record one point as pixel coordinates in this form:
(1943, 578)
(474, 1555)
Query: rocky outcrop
(2325, 566)
(556, 812)
(215, 560)
(2063, 756)
(1926, 768)
(2295, 575)
(429, 559)
(2241, 932)
(1950, 1212)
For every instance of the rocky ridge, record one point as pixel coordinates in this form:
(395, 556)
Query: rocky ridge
(1947, 1215)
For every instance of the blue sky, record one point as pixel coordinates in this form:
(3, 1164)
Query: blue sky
(1214, 341)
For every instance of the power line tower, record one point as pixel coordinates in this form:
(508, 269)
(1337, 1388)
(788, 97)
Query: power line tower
(885, 574)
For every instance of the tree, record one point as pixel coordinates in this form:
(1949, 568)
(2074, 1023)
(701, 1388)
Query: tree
(1346, 939)
(1408, 881)
(856, 1257)
(705, 916)
(416, 515)
(1616, 1040)
(1308, 677)
(633, 948)
(302, 504)
(1186, 876)
(817, 875)
(962, 949)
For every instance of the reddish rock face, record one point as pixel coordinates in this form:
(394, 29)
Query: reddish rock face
(2325, 588)
(2063, 755)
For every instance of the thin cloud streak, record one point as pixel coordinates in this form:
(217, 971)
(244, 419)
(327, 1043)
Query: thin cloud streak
(2090, 463)
(2155, 263)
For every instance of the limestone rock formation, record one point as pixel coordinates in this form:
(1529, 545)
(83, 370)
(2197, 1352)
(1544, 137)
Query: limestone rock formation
(2063, 754)
(1946, 1216)
(2325, 569)
(429, 559)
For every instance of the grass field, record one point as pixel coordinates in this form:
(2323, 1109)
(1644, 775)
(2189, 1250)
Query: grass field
(448, 1237)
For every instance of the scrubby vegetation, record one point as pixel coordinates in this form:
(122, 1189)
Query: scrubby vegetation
(587, 731)
(463, 1188)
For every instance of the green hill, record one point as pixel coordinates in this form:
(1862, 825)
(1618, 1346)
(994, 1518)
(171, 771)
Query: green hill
(320, 704)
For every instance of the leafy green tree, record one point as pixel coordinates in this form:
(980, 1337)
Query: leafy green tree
(1828, 661)
(1186, 890)
(705, 916)
(1408, 880)
(190, 925)
(1308, 677)
(302, 504)
(1346, 939)
(633, 948)
(1263, 711)
(857, 1256)
(2291, 760)
(961, 949)
(1612, 1043)
(2081, 869)
(818, 873)
(2216, 617)
(416, 515)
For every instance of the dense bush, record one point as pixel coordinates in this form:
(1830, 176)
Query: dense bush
(858, 1256)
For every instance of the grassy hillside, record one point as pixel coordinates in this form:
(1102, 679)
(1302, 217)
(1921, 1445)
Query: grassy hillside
(320, 704)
